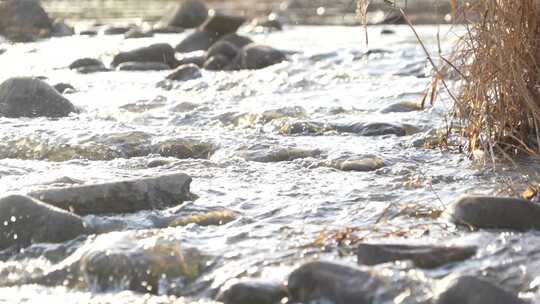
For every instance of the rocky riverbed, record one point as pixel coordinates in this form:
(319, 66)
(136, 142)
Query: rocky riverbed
(283, 164)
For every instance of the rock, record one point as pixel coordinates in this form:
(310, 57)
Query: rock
(184, 148)
(116, 30)
(256, 56)
(289, 127)
(160, 52)
(372, 129)
(222, 48)
(496, 212)
(23, 20)
(185, 72)
(143, 261)
(222, 24)
(26, 220)
(196, 58)
(196, 41)
(86, 62)
(217, 63)
(423, 256)
(137, 33)
(63, 87)
(189, 14)
(166, 29)
(265, 24)
(61, 29)
(31, 97)
(2, 51)
(471, 290)
(360, 164)
(88, 32)
(325, 282)
(237, 40)
(402, 107)
(210, 218)
(387, 32)
(265, 154)
(184, 107)
(92, 69)
(142, 66)
(250, 292)
(125, 196)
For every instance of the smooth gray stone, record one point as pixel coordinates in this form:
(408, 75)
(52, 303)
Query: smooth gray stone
(25, 220)
(495, 212)
(255, 56)
(423, 256)
(250, 292)
(31, 97)
(371, 129)
(142, 66)
(189, 14)
(159, 52)
(121, 196)
(471, 290)
(333, 283)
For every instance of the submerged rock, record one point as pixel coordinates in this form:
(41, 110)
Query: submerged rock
(250, 292)
(496, 212)
(159, 52)
(471, 290)
(371, 129)
(189, 14)
(325, 282)
(185, 72)
(423, 256)
(26, 220)
(255, 56)
(360, 164)
(125, 196)
(31, 97)
(24, 20)
(265, 154)
(142, 66)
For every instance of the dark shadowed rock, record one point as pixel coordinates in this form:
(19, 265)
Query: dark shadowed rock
(196, 41)
(185, 72)
(265, 24)
(496, 212)
(159, 52)
(88, 32)
(471, 290)
(387, 32)
(116, 30)
(61, 29)
(423, 256)
(137, 33)
(142, 66)
(371, 129)
(26, 220)
(216, 63)
(237, 40)
(23, 20)
(256, 56)
(223, 48)
(189, 14)
(63, 87)
(86, 62)
(325, 282)
(31, 97)
(222, 24)
(250, 292)
(167, 29)
(122, 196)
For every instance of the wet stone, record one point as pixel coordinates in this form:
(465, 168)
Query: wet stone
(210, 218)
(216, 63)
(25, 220)
(223, 48)
(250, 292)
(23, 20)
(371, 129)
(126, 196)
(289, 127)
(137, 33)
(238, 40)
(185, 148)
(64, 88)
(196, 41)
(189, 14)
(61, 29)
(496, 213)
(471, 290)
(31, 97)
(142, 66)
(265, 154)
(222, 24)
(402, 107)
(326, 282)
(185, 72)
(159, 52)
(116, 30)
(423, 256)
(255, 56)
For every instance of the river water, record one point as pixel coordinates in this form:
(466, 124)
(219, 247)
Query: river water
(287, 212)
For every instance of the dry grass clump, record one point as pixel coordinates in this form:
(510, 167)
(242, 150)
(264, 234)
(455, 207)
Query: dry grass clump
(499, 102)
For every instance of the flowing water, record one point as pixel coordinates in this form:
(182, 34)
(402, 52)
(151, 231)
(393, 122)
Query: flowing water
(286, 213)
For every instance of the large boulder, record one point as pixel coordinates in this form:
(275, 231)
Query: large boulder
(197, 41)
(26, 220)
(325, 282)
(223, 48)
(122, 196)
(472, 290)
(189, 14)
(31, 97)
(496, 212)
(159, 52)
(255, 56)
(24, 20)
(222, 24)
